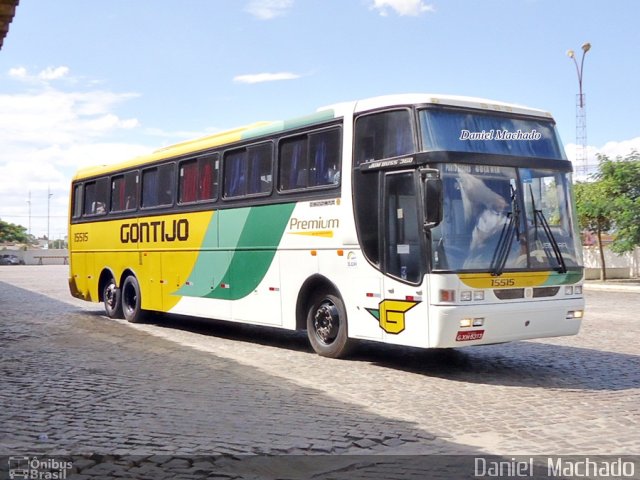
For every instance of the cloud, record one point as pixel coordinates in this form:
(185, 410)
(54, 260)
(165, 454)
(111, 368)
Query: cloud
(44, 76)
(268, 9)
(612, 149)
(411, 8)
(46, 134)
(53, 73)
(52, 116)
(265, 77)
(620, 149)
(18, 72)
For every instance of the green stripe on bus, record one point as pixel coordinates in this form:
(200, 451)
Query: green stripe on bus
(568, 278)
(247, 243)
(275, 127)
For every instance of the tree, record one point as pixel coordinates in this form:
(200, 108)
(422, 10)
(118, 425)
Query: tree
(621, 181)
(10, 232)
(58, 244)
(594, 213)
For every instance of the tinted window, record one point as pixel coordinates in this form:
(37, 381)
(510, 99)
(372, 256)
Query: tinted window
(96, 197)
(124, 192)
(311, 160)
(157, 186)
(383, 135)
(403, 233)
(462, 132)
(77, 201)
(199, 179)
(247, 171)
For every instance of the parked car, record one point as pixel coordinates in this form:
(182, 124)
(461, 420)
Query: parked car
(8, 259)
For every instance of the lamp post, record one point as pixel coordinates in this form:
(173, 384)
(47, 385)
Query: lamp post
(581, 114)
(49, 195)
(29, 202)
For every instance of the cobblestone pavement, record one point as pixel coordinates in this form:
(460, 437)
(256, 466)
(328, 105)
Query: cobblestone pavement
(164, 394)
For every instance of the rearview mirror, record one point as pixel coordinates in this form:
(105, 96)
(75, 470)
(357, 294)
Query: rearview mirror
(431, 197)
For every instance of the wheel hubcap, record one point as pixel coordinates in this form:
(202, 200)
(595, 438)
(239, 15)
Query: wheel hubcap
(326, 322)
(110, 295)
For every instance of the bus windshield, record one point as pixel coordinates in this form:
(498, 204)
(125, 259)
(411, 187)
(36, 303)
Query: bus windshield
(498, 218)
(458, 131)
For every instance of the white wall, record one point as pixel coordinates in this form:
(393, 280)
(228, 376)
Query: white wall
(618, 266)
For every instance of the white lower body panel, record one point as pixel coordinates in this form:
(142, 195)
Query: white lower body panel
(503, 322)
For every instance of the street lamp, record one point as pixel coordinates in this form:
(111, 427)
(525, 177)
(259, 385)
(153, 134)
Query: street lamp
(581, 112)
(571, 54)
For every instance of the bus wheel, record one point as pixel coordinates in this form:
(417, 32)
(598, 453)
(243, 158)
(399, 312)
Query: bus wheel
(111, 298)
(131, 300)
(327, 326)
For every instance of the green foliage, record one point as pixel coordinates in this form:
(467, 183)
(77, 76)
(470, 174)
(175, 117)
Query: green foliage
(10, 232)
(593, 206)
(620, 180)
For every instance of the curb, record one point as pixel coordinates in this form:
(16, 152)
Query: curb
(612, 287)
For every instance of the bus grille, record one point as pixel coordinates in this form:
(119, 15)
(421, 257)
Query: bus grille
(545, 291)
(509, 293)
(515, 293)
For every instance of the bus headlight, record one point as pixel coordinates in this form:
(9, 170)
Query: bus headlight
(471, 322)
(466, 322)
(478, 322)
(571, 314)
(468, 295)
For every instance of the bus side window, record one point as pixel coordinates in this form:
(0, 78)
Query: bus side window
(293, 163)
(311, 160)
(157, 186)
(188, 183)
(383, 135)
(96, 196)
(77, 201)
(124, 192)
(247, 171)
(260, 177)
(324, 149)
(235, 174)
(208, 177)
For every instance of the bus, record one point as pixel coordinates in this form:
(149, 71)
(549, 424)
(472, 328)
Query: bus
(419, 220)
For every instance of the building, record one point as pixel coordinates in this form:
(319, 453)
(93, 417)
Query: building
(7, 12)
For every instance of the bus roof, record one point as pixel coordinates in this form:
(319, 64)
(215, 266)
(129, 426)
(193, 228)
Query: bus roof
(322, 114)
(435, 99)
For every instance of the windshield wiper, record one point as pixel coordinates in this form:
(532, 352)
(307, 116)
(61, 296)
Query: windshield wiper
(509, 231)
(538, 215)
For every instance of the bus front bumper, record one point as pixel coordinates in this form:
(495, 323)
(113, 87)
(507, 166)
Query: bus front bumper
(462, 326)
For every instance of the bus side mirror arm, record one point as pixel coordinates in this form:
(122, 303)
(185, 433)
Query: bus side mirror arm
(431, 197)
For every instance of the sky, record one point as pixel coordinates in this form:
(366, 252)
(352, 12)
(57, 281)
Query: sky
(92, 82)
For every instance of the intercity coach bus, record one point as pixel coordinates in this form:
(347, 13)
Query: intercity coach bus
(418, 220)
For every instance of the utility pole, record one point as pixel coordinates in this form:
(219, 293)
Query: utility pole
(49, 195)
(29, 203)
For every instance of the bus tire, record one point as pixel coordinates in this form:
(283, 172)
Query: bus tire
(131, 300)
(111, 298)
(327, 326)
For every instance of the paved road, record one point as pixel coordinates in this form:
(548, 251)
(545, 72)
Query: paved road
(75, 382)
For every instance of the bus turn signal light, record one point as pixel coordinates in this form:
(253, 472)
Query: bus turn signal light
(447, 295)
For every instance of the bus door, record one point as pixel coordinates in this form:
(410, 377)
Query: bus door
(402, 317)
(150, 278)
